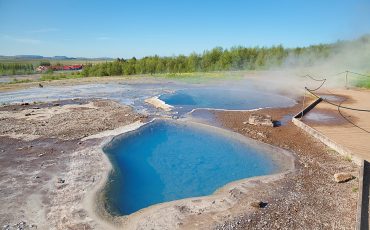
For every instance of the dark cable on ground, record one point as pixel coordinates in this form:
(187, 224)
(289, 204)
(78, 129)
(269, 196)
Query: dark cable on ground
(348, 120)
(340, 104)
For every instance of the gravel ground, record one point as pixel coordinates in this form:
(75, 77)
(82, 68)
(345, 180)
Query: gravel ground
(72, 119)
(307, 199)
(45, 167)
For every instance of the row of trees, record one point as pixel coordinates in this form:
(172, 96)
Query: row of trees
(217, 59)
(15, 68)
(22, 68)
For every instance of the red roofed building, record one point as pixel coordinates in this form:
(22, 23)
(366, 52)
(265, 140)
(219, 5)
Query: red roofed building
(42, 68)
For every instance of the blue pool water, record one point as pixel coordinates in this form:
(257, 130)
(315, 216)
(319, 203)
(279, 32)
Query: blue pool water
(164, 161)
(218, 98)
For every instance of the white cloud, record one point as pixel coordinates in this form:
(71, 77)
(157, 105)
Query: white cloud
(20, 40)
(102, 38)
(43, 30)
(27, 40)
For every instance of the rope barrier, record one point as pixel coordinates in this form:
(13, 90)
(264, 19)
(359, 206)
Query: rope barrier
(350, 120)
(322, 80)
(304, 98)
(360, 74)
(339, 106)
(309, 76)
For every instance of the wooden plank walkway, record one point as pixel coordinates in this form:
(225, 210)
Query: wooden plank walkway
(326, 119)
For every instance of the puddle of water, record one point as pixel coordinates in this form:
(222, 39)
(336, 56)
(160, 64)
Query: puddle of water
(185, 97)
(332, 98)
(10, 78)
(203, 115)
(133, 95)
(317, 116)
(5, 80)
(165, 161)
(284, 120)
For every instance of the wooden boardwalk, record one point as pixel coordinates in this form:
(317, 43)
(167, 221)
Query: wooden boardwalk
(326, 119)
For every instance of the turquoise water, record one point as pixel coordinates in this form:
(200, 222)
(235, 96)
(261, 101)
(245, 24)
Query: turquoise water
(164, 161)
(219, 98)
(186, 97)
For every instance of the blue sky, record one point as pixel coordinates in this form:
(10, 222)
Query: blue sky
(139, 28)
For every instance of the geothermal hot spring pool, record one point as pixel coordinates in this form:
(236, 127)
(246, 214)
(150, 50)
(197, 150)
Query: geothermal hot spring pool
(166, 160)
(185, 100)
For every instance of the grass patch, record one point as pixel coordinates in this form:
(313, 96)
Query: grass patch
(362, 81)
(330, 150)
(348, 158)
(16, 81)
(202, 77)
(51, 77)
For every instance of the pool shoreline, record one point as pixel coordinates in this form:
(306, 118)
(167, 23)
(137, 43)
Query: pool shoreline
(74, 156)
(286, 161)
(35, 195)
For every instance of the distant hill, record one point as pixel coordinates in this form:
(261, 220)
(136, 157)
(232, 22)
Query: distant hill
(61, 58)
(39, 57)
(28, 57)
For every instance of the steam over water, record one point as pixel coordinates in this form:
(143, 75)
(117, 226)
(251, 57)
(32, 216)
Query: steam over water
(165, 161)
(184, 97)
(219, 98)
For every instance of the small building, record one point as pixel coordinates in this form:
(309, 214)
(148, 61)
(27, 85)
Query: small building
(42, 68)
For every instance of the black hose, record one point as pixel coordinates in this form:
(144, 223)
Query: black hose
(348, 120)
(338, 105)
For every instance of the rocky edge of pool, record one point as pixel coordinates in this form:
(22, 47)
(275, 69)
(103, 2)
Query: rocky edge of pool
(222, 195)
(54, 173)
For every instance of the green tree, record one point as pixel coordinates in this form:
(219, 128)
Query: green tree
(45, 63)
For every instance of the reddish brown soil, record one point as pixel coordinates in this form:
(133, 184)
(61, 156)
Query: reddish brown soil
(307, 199)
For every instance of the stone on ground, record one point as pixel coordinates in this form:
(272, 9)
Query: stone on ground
(260, 119)
(343, 177)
